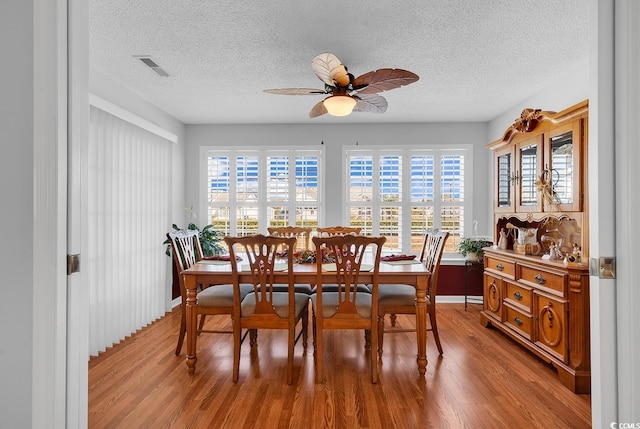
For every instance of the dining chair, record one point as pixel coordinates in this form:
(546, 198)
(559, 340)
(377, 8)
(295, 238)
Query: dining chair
(331, 231)
(211, 299)
(337, 230)
(401, 299)
(264, 308)
(302, 234)
(347, 307)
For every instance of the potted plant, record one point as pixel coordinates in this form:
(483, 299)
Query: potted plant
(471, 248)
(210, 239)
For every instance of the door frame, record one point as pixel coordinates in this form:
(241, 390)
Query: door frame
(60, 130)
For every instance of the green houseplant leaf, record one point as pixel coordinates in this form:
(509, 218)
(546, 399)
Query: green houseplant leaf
(473, 245)
(210, 239)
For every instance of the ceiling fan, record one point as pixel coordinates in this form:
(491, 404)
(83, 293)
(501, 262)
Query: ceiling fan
(348, 93)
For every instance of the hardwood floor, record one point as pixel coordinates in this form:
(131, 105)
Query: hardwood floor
(141, 383)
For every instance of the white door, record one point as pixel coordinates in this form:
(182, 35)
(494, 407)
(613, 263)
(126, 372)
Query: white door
(77, 286)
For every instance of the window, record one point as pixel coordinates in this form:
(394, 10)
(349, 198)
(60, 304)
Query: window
(401, 193)
(250, 190)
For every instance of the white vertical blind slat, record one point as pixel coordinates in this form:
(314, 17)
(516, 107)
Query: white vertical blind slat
(128, 213)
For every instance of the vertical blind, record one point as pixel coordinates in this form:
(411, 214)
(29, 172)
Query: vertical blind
(128, 204)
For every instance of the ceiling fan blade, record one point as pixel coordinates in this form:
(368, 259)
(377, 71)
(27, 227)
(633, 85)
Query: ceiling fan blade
(330, 70)
(372, 103)
(317, 110)
(295, 91)
(383, 80)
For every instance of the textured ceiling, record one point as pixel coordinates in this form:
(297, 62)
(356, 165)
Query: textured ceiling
(475, 59)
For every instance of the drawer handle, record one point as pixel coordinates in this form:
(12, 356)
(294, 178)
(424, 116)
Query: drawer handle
(500, 267)
(518, 321)
(518, 296)
(540, 279)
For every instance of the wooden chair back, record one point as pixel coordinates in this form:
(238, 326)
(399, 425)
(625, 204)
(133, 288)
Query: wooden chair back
(349, 252)
(302, 234)
(337, 230)
(259, 253)
(431, 255)
(186, 250)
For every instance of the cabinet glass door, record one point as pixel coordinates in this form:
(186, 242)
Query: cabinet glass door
(529, 168)
(562, 167)
(505, 175)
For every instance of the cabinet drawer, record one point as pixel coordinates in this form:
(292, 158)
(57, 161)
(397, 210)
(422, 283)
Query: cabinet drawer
(493, 294)
(521, 322)
(518, 295)
(504, 267)
(541, 279)
(552, 329)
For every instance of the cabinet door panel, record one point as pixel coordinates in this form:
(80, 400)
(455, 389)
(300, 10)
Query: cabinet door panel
(552, 330)
(563, 167)
(529, 168)
(493, 293)
(504, 180)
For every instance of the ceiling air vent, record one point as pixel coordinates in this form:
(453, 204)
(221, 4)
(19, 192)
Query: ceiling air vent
(146, 60)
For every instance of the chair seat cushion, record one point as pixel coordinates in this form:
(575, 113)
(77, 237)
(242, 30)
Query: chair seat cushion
(221, 295)
(280, 302)
(397, 295)
(330, 304)
(334, 288)
(300, 288)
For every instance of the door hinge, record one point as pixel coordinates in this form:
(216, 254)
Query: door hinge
(73, 264)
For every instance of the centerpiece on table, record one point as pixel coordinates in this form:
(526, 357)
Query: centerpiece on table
(309, 256)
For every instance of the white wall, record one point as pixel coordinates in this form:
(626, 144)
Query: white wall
(16, 216)
(336, 137)
(571, 89)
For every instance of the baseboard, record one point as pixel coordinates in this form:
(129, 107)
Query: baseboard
(452, 299)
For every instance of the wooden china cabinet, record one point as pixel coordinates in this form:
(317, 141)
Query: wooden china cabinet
(540, 201)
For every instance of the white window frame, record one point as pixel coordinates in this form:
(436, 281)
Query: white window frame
(406, 152)
(262, 204)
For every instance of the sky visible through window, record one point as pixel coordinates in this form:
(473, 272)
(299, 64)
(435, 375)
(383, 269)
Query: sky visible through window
(422, 175)
(360, 174)
(247, 171)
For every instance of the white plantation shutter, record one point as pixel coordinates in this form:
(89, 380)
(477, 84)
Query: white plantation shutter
(249, 190)
(129, 183)
(401, 192)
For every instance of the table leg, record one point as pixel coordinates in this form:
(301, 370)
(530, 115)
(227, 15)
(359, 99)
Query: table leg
(421, 322)
(191, 310)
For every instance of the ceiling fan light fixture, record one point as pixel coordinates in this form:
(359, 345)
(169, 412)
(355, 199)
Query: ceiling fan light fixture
(339, 105)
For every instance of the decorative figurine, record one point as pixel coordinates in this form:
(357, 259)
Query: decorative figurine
(503, 242)
(577, 253)
(555, 253)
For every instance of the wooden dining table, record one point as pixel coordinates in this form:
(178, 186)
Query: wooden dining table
(390, 273)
